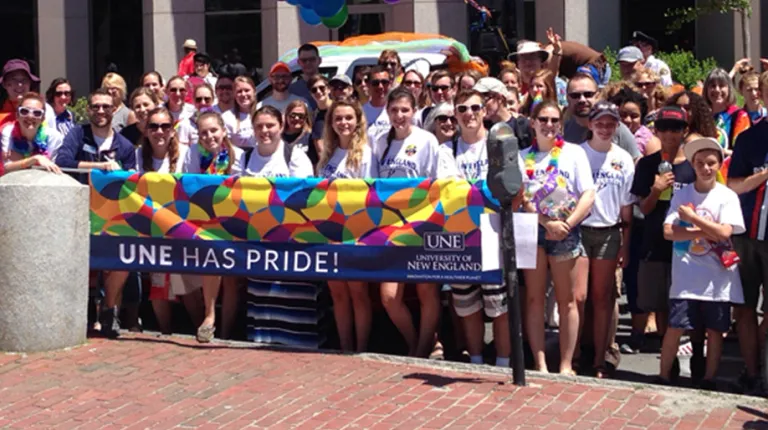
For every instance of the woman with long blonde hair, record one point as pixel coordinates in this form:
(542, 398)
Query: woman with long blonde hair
(346, 154)
(122, 116)
(239, 120)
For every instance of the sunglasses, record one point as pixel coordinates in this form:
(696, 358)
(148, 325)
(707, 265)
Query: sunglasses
(446, 118)
(412, 83)
(319, 89)
(178, 90)
(675, 128)
(100, 107)
(475, 108)
(379, 82)
(164, 127)
(438, 88)
(224, 87)
(203, 99)
(35, 113)
(62, 93)
(340, 87)
(390, 63)
(645, 84)
(297, 116)
(585, 94)
(362, 81)
(548, 120)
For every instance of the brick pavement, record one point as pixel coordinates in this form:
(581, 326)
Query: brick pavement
(142, 382)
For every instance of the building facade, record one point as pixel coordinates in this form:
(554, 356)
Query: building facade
(82, 39)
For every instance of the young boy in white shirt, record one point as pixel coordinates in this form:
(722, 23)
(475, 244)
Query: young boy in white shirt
(705, 280)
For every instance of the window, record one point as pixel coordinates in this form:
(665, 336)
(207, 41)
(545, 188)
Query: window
(19, 20)
(117, 40)
(233, 32)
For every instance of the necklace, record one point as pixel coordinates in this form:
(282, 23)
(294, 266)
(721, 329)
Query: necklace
(38, 145)
(554, 153)
(209, 166)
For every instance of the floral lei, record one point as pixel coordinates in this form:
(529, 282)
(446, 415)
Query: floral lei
(39, 145)
(207, 164)
(530, 158)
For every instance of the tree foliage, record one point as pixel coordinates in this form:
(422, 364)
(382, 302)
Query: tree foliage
(684, 15)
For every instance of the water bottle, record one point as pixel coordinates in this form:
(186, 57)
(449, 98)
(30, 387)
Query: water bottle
(665, 167)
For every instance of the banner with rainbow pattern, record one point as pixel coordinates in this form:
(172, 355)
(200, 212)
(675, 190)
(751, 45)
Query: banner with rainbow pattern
(409, 230)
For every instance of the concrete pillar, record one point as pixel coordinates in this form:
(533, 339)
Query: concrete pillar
(595, 23)
(64, 43)
(282, 29)
(446, 17)
(167, 24)
(44, 276)
(725, 44)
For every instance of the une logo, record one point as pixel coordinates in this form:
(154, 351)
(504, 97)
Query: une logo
(443, 241)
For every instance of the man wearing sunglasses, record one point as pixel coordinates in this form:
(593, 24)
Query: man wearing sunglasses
(224, 94)
(497, 110)
(379, 83)
(280, 78)
(17, 80)
(582, 95)
(309, 60)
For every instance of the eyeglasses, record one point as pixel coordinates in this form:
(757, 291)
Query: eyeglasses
(164, 127)
(579, 95)
(35, 113)
(99, 107)
(439, 88)
(224, 87)
(416, 84)
(339, 87)
(475, 108)
(379, 82)
(645, 84)
(178, 90)
(203, 99)
(445, 118)
(548, 120)
(319, 89)
(62, 93)
(674, 128)
(297, 116)
(389, 63)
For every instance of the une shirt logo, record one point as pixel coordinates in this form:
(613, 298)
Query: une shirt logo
(443, 241)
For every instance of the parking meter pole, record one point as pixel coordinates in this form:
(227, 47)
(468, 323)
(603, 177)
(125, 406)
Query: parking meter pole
(513, 297)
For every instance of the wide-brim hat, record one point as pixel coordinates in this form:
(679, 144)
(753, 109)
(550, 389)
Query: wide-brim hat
(529, 47)
(16, 65)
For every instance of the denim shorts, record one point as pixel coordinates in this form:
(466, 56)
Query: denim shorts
(690, 314)
(562, 250)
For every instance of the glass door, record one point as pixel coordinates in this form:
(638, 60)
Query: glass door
(117, 40)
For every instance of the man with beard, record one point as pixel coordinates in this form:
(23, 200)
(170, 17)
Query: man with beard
(309, 60)
(17, 81)
(224, 95)
(582, 95)
(96, 146)
(280, 78)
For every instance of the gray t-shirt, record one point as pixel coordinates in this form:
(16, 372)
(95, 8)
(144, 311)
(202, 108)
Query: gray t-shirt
(623, 138)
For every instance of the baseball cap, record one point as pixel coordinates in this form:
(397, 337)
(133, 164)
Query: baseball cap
(491, 85)
(190, 44)
(604, 108)
(16, 65)
(691, 148)
(279, 66)
(630, 54)
(341, 78)
(202, 57)
(671, 116)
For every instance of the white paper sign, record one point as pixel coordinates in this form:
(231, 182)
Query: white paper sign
(526, 236)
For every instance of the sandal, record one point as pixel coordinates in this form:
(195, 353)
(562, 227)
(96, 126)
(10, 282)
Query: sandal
(205, 333)
(437, 352)
(601, 372)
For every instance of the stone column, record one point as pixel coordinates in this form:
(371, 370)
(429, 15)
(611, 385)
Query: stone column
(446, 17)
(45, 257)
(167, 24)
(595, 23)
(64, 43)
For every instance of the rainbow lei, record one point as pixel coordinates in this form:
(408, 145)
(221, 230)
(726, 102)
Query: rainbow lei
(26, 148)
(530, 158)
(207, 164)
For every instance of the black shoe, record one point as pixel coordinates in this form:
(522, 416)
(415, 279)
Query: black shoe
(674, 374)
(698, 368)
(110, 325)
(658, 380)
(708, 385)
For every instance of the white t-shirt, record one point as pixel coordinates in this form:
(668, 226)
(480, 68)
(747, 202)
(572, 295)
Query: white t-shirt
(54, 141)
(187, 132)
(187, 111)
(162, 165)
(104, 143)
(274, 166)
(417, 156)
(697, 272)
(337, 166)
(280, 104)
(240, 134)
(378, 120)
(192, 160)
(471, 159)
(572, 165)
(613, 173)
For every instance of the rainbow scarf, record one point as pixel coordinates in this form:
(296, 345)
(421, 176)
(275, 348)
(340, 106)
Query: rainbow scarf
(207, 164)
(26, 148)
(554, 153)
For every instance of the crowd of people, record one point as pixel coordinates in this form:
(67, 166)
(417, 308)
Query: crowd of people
(641, 177)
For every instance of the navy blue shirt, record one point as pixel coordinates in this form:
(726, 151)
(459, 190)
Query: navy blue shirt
(654, 246)
(750, 156)
(79, 145)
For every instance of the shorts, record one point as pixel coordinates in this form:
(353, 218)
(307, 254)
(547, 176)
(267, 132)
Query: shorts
(566, 249)
(601, 243)
(654, 280)
(688, 314)
(169, 286)
(753, 268)
(468, 299)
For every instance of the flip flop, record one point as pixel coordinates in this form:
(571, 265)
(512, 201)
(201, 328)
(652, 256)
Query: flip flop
(205, 333)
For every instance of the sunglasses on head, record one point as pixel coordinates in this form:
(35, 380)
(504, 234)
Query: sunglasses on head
(103, 106)
(319, 89)
(164, 127)
(445, 118)
(585, 94)
(203, 99)
(62, 93)
(379, 82)
(475, 108)
(35, 113)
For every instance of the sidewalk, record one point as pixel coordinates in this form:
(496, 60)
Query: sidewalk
(142, 381)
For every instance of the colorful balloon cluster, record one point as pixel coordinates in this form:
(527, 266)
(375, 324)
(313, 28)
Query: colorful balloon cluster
(331, 13)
